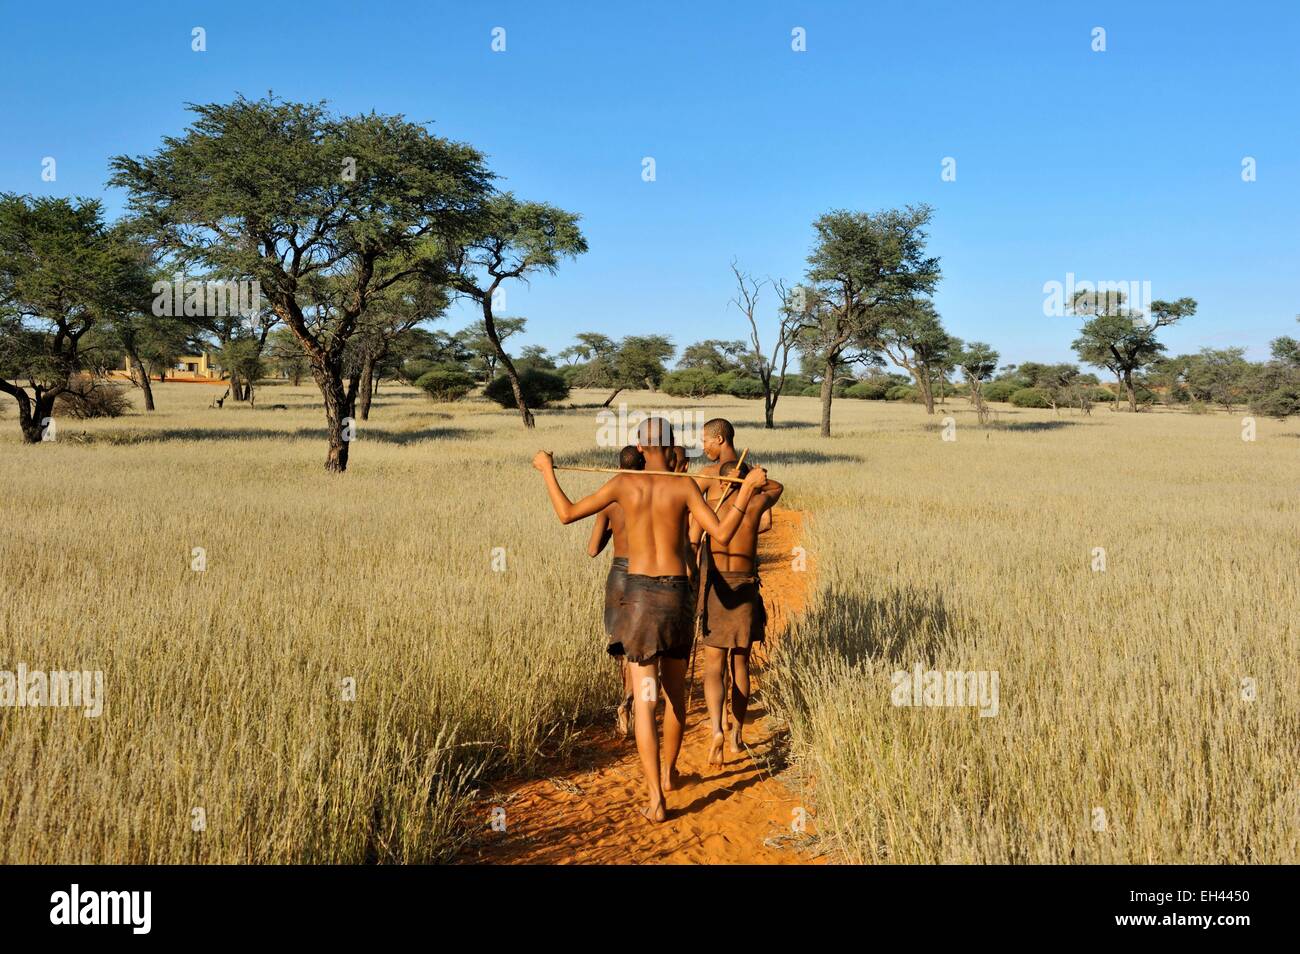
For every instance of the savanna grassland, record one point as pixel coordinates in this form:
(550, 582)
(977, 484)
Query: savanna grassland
(1120, 690)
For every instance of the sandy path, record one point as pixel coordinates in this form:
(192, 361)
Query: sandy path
(586, 811)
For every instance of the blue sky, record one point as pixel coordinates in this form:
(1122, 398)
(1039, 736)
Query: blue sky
(1122, 165)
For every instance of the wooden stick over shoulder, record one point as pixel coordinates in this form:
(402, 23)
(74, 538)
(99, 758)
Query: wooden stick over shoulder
(662, 473)
(727, 493)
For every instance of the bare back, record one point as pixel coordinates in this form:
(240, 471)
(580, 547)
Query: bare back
(740, 553)
(654, 510)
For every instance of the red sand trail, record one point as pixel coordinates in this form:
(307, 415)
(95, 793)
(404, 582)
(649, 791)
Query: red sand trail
(586, 811)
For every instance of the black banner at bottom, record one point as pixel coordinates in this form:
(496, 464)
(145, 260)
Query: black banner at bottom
(142, 904)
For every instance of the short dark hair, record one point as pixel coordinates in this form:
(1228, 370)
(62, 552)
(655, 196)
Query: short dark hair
(729, 468)
(720, 427)
(629, 458)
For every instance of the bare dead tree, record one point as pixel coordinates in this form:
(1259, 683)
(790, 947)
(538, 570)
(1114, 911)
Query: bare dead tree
(793, 319)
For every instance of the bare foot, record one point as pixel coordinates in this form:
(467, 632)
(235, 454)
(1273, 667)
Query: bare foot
(670, 779)
(654, 811)
(715, 749)
(734, 738)
(623, 716)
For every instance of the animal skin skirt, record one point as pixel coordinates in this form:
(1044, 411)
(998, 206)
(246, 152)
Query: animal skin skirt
(734, 614)
(655, 619)
(615, 583)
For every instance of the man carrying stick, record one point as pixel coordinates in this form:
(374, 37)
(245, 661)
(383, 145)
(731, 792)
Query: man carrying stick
(656, 626)
(611, 525)
(734, 617)
(718, 441)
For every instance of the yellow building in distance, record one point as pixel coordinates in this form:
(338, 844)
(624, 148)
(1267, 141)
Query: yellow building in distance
(186, 368)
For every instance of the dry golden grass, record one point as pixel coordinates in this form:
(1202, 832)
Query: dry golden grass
(1118, 690)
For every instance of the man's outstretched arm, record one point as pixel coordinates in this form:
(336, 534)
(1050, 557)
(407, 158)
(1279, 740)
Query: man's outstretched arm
(566, 509)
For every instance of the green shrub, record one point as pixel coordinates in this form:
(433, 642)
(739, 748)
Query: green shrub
(571, 373)
(739, 385)
(690, 383)
(446, 383)
(1031, 397)
(540, 388)
(415, 368)
(901, 392)
(1001, 390)
(812, 390)
(867, 391)
(1279, 403)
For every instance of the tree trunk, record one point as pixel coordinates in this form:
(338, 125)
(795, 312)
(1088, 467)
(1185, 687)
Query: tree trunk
(329, 378)
(927, 390)
(144, 382)
(489, 324)
(977, 397)
(32, 413)
(828, 386)
(617, 392)
(354, 389)
(237, 390)
(367, 387)
(1130, 391)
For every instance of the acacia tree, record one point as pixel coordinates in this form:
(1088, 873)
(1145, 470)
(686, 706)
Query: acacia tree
(286, 354)
(977, 361)
(718, 357)
(636, 361)
(861, 262)
(639, 362)
(138, 327)
(945, 364)
(1274, 385)
(241, 342)
(325, 212)
(912, 337)
(396, 312)
(1220, 375)
(510, 239)
(62, 272)
(1120, 339)
(1286, 350)
(482, 351)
